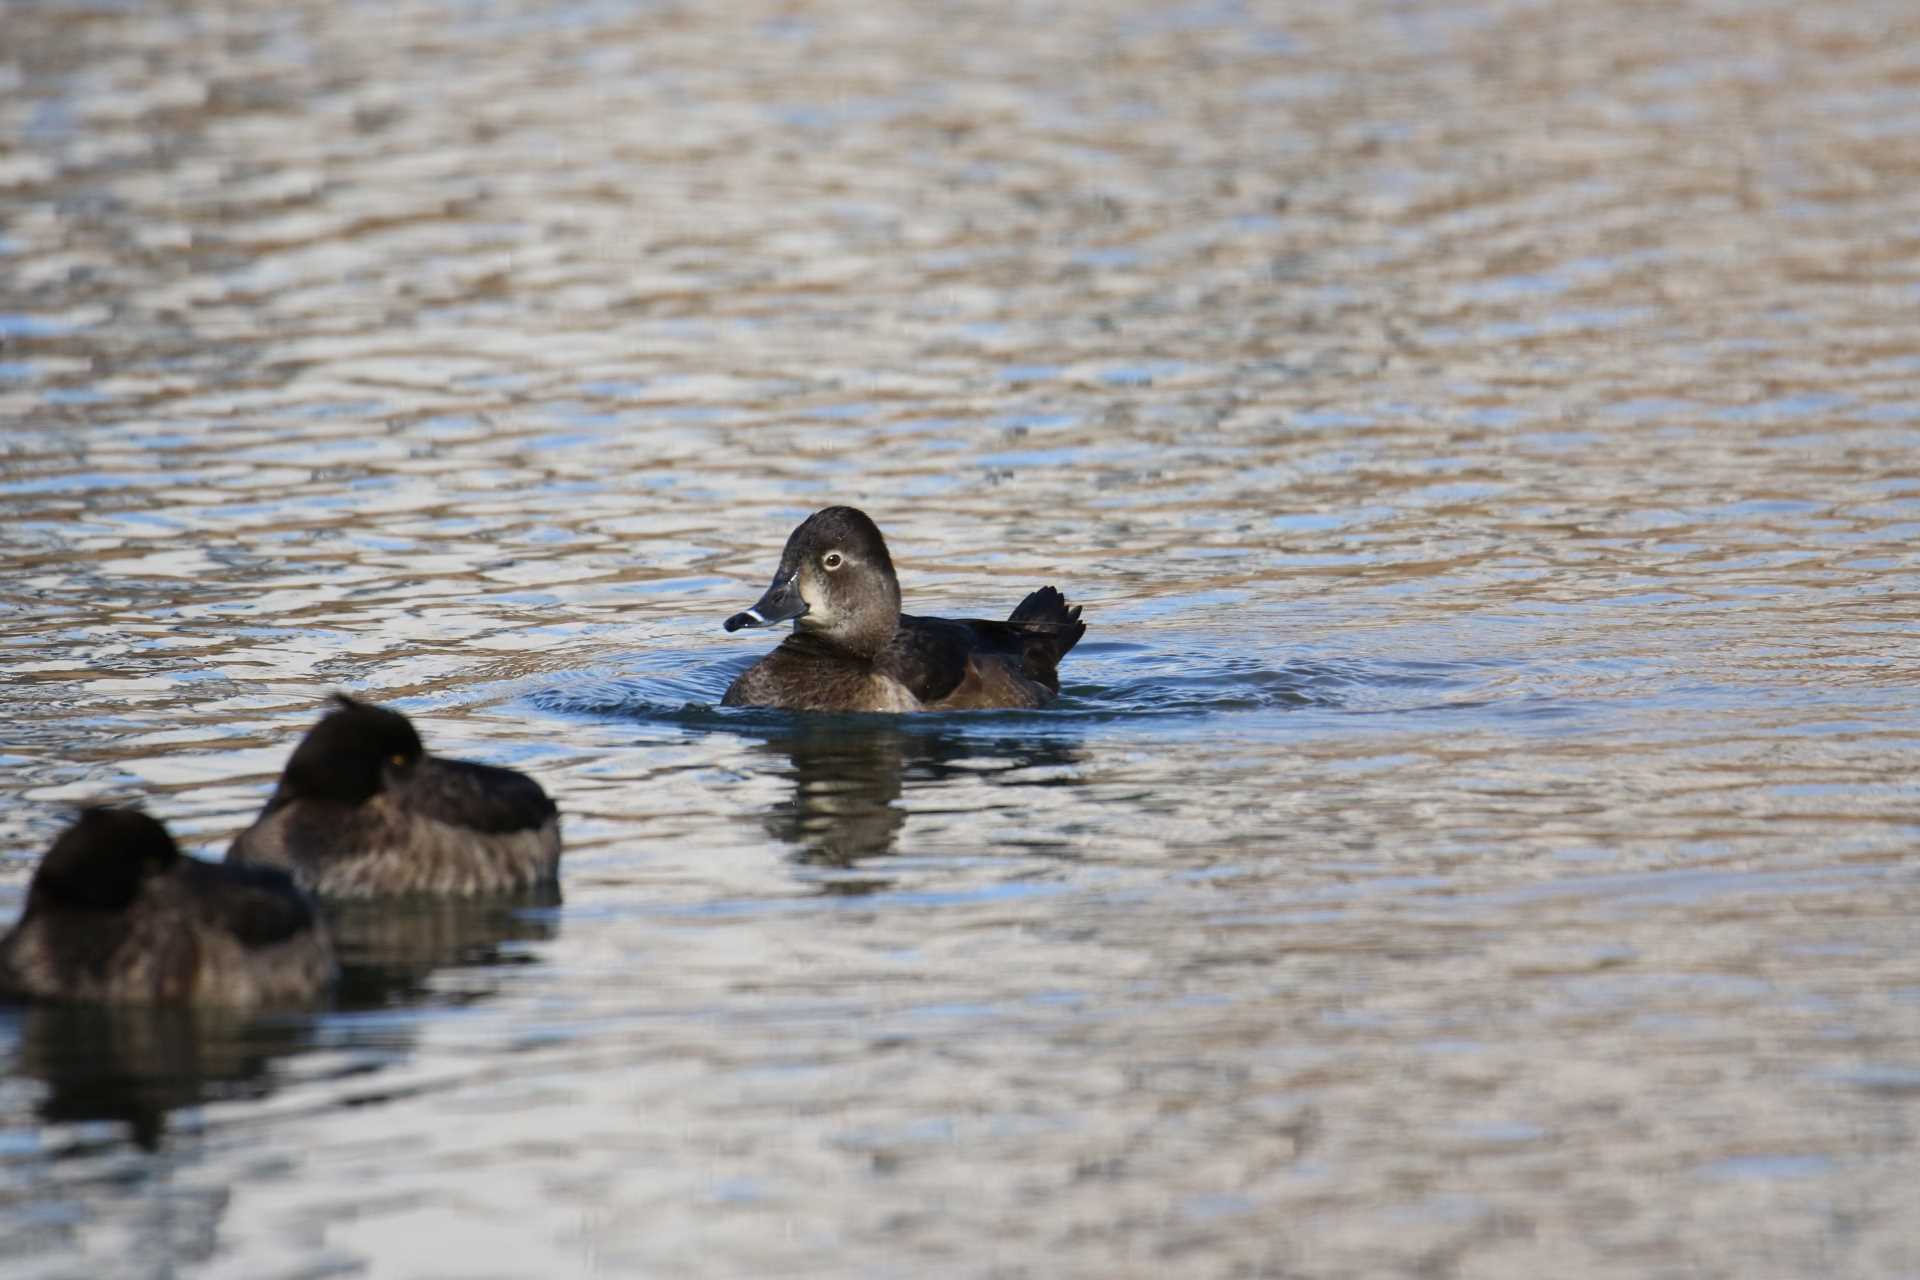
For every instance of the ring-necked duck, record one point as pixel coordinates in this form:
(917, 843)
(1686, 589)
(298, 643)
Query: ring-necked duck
(853, 650)
(363, 811)
(117, 914)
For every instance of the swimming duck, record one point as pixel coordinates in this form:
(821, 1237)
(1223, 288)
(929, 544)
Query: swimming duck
(363, 811)
(853, 650)
(117, 914)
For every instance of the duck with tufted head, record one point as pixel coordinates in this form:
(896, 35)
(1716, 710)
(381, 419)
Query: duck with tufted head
(363, 810)
(116, 914)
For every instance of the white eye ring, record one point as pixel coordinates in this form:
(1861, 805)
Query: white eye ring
(832, 560)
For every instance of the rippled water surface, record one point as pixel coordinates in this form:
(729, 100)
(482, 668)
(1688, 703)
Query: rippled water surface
(1479, 834)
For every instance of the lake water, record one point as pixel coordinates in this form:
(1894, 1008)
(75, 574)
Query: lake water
(1479, 835)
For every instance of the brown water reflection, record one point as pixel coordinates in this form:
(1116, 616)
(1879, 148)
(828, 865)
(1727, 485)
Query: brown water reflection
(851, 773)
(1478, 834)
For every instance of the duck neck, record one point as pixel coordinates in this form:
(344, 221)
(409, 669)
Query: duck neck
(855, 618)
(860, 637)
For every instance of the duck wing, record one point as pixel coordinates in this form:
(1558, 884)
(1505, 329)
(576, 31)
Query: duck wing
(258, 905)
(930, 655)
(479, 797)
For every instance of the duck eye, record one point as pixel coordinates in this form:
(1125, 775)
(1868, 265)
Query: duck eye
(397, 759)
(832, 560)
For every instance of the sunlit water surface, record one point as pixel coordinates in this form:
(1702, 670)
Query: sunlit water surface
(1479, 835)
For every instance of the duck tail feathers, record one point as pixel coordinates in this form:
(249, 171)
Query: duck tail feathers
(1051, 627)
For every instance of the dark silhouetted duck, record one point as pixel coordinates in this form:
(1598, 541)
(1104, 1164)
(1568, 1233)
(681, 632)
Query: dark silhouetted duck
(116, 914)
(853, 650)
(363, 811)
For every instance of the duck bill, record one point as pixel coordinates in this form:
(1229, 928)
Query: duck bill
(781, 603)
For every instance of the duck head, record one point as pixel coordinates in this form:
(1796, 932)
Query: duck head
(835, 582)
(101, 862)
(355, 752)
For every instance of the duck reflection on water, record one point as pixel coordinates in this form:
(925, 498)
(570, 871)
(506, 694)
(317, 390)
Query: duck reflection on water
(851, 774)
(391, 950)
(138, 1064)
